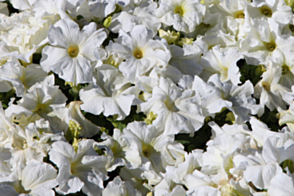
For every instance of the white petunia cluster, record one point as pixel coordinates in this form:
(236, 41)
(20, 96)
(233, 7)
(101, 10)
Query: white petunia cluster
(147, 97)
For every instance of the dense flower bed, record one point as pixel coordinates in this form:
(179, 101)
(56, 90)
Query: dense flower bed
(142, 97)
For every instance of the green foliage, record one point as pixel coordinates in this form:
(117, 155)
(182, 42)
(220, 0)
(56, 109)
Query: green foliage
(270, 119)
(11, 9)
(5, 97)
(289, 164)
(132, 117)
(250, 72)
(36, 58)
(202, 136)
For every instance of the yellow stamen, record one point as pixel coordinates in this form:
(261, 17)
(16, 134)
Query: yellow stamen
(285, 69)
(147, 150)
(73, 51)
(179, 10)
(265, 10)
(266, 86)
(138, 54)
(271, 46)
(239, 14)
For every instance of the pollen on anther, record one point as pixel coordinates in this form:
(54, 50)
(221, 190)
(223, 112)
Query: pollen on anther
(73, 51)
(138, 54)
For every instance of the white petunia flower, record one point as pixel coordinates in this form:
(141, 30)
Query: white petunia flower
(216, 95)
(264, 42)
(183, 15)
(36, 178)
(277, 10)
(118, 151)
(269, 91)
(101, 8)
(21, 78)
(25, 34)
(235, 14)
(72, 52)
(79, 168)
(79, 7)
(222, 40)
(22, 4)
(128, 19)
(183, 60)
(176, 111)
(7, 126)
(192, 161)
(140, 51)
(222, 62)
(29, 144)
(287, 117)
(281, 184)
(42, 98)
(52, 9)
(167, 187)
(149, 143)
(8, 54)
(136, 178)
(112, 95)
(117, 187)
(72, 112)
(199, 183)
(262, 167)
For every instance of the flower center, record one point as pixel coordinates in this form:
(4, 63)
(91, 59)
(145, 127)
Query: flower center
(179, 10)
(265, 10)
(40, 108)
(19, 187)
(73, 51)
(239, 14)
(266, 86)
(271, 46)
(138, 54)
(170, 105)
(147, 150)
(285, 69)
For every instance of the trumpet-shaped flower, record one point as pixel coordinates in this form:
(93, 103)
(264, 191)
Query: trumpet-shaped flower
(42, 98)
(277, 10)
(262, 167)
(72, 52)
(52, 9)
(127, 20)
(140, 51)
(216, 95)
(72, 112)
(37, 178)
(176, 111)
(149, 143)
(101, 8)
(183, 15)
(26, 35)
(79, 168)
(21, 78)
(119, 187)
(264, 42)
(281, 184)
(287, 117)
(269, 91)
(188, 64)
(119, 152)
(111, 99)
(222, 62)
